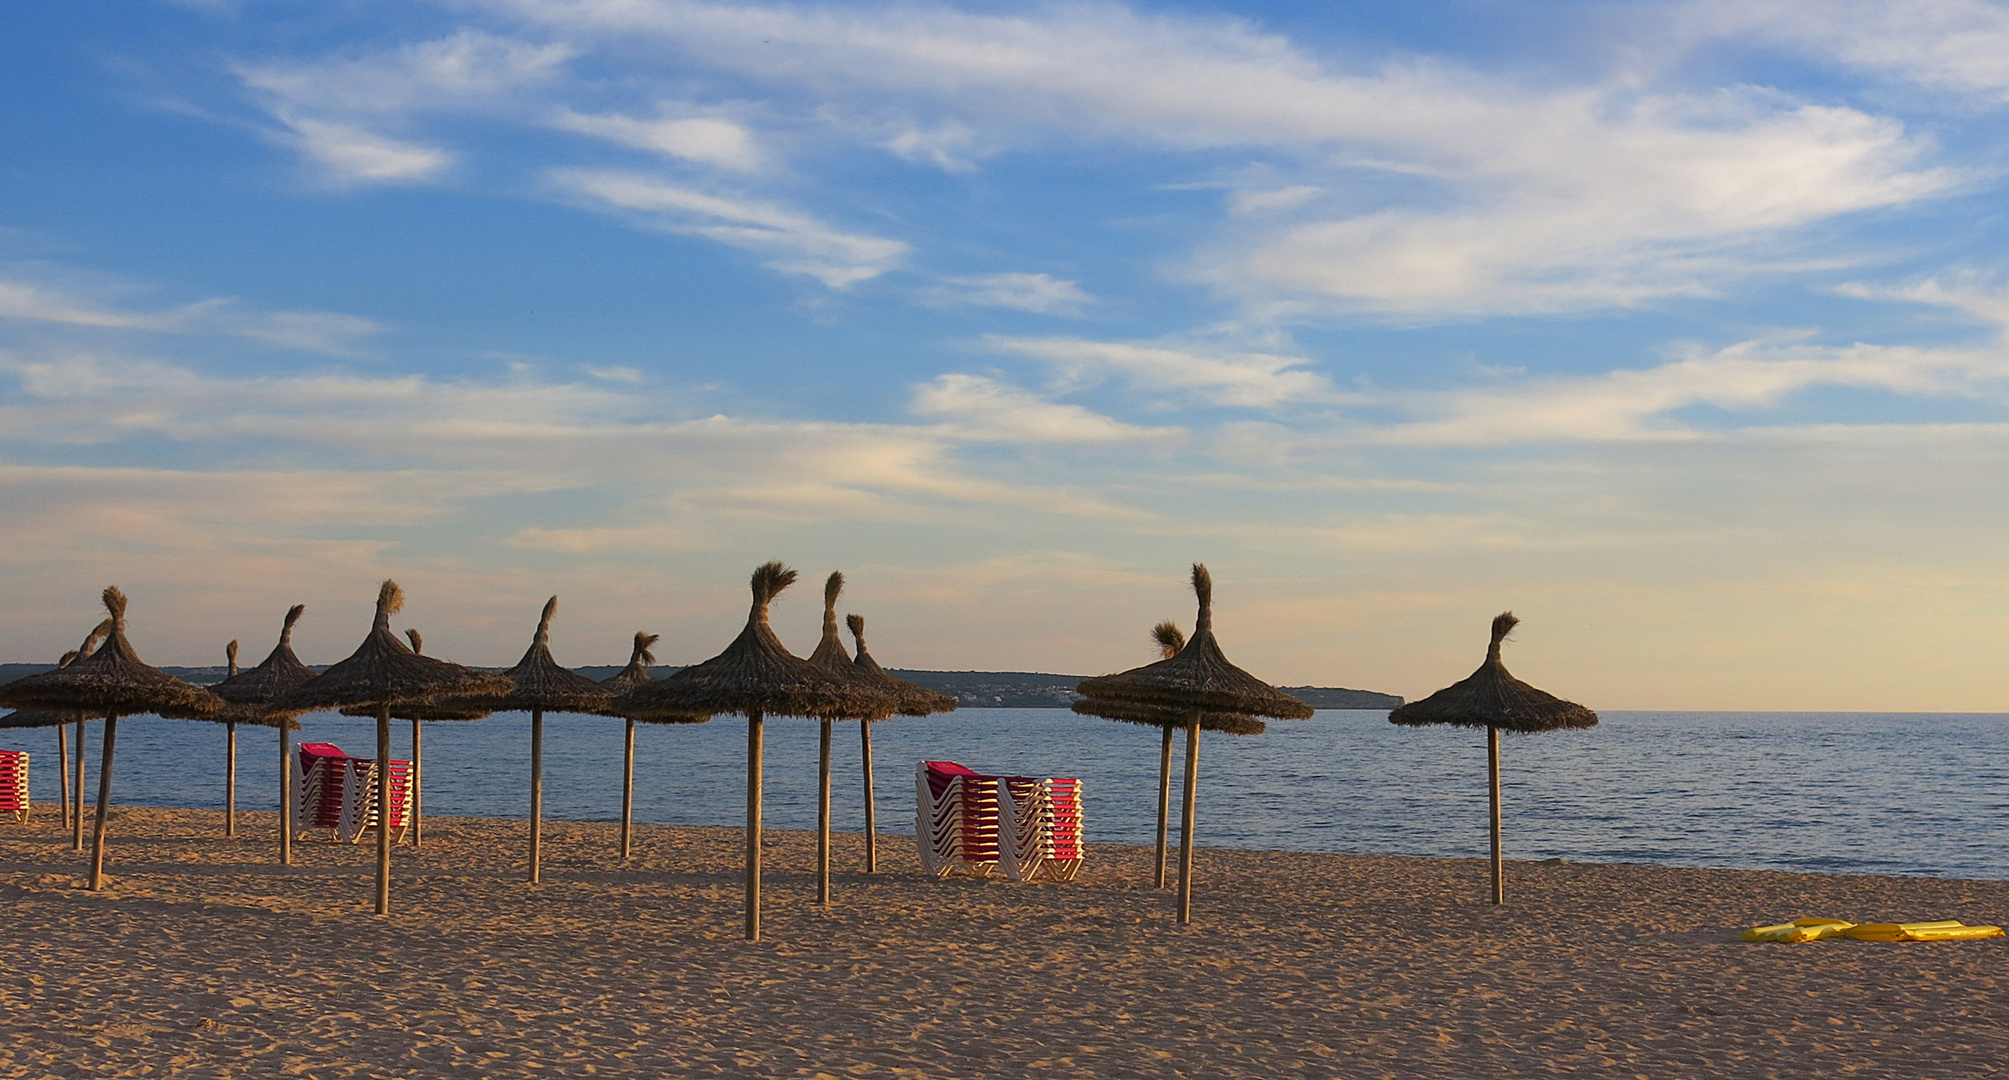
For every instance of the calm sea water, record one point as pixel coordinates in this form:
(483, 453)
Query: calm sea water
(1827, 792)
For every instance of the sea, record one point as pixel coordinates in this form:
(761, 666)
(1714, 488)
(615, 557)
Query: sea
(1836, 793)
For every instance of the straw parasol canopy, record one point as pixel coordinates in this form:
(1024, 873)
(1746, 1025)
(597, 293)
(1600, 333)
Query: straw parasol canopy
(635, 674)
(24, 719)
(1200, 677)
(111, 682)
(1490, 698)
(254, 690)
(383, 673)
(639, 662)
(542, 685)
(1198, 680)
(40, 718)
(755, 676)
(831, 657)
(252, 695)
(1170, 642)
(910, 700)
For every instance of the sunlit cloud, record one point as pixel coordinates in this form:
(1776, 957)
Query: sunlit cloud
(1041, 294)
(795, 242)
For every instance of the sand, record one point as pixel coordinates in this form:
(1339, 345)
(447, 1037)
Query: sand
(205, 959)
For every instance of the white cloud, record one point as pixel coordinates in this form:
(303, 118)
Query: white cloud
(1634, 405)
(333, 110)
(982, 409)
(309, 331)
(1041, 294)
(709, 140)
(1952, 44)
(1242, 379)
(796, 242)
(1253, 201)
(468, 66)
(1529, 197)
(353, 154)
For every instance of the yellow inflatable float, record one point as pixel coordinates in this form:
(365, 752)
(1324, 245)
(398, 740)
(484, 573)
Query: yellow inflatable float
(1821, 929)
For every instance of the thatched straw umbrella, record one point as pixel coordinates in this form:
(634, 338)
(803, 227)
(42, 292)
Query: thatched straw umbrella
(73, 811)
(1170, 641)
(22, 720)
(383, 673)
(252, 694)
(111, 682)
(419, 715)
(636, 674)
(755, 676)
(542, 685)
(910, 700)
(1199, 680)
(1492, 699)
(831, 657)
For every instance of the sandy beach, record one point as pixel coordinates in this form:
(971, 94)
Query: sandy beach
(205, 959)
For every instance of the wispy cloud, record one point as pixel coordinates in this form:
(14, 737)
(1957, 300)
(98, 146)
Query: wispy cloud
(334, 110)
(982, 409)
(1529, 198)
(1041, 294)
(710, 140)
(309, 331)
(796, 242)
(1244, 379)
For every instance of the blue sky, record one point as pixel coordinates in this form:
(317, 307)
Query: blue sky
(1676, 327)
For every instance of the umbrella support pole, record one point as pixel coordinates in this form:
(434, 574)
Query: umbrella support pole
(1186, 816)
(871, 821)
(104, 805)
(1164, 806)
(1493, 783)
(823, 816)
(753, 770)
(536, 791)
(63, 768)
(230, 778)
(418, 785)
(285, 791)
(628, 791)
(382, 796)
(77, 825)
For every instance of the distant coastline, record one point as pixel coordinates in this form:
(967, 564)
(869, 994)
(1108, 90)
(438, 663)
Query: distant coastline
(975, 689)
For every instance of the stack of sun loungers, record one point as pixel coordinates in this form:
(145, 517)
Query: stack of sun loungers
(335, 792)
(1028, 828)
(14, 784)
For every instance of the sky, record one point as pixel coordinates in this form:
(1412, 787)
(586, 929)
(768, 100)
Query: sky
(1677, 328)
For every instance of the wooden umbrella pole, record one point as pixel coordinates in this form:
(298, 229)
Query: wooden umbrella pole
(753, 748)
(536, 791)
(871, 821)
(1493, 777)
(104, 805)
(285, 792)
(63, 768)
(823, 817)
(1186, 816)
(418, 785)
(628, 790)
(77, 826)
(383, 800)
(230, 778)
(1164, 805)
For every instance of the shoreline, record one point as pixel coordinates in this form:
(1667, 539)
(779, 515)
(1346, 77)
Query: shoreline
(206, 954)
